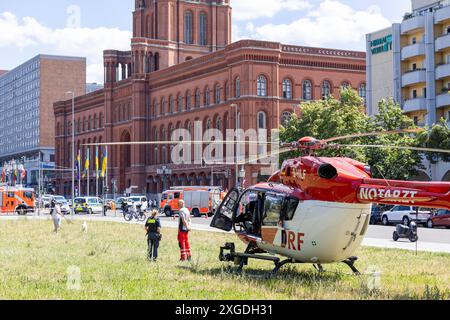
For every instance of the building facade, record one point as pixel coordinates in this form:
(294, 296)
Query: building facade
(183, 68)
(27, 94)
(410, 62)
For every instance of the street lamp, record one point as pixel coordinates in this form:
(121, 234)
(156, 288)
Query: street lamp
(236, 181)
(73, 150)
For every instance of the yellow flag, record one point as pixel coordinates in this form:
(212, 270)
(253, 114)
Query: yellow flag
(104, 164)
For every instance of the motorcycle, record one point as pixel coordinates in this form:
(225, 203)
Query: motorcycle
(406, 232)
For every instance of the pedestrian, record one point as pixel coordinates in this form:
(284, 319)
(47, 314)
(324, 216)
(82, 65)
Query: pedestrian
(184, 227)
(153, 228)
(56, 214)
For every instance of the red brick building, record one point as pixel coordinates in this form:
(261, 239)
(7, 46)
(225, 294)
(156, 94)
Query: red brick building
(182, 68)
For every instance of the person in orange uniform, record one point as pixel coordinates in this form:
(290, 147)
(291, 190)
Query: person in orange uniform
(184, 227)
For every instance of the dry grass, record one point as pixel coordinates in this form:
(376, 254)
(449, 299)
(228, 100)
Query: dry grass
(112, 263)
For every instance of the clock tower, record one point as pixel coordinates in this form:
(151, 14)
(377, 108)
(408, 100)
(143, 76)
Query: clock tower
(169, 32)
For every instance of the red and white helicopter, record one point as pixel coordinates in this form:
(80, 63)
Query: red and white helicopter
(316, 210)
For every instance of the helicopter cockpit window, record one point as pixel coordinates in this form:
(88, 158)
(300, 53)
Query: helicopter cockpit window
(291, 207)
(250, 211)
(273, 207)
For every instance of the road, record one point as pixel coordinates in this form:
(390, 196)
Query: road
(433, 240)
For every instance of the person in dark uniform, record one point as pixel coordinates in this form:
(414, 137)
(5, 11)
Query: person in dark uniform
(153, 228)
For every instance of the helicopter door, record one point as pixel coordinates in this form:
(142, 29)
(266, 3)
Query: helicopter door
(223, 218)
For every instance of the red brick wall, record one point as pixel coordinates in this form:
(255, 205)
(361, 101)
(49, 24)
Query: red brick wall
(57, 77)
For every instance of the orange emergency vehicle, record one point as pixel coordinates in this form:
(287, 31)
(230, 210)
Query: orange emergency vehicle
(16, 199)
(199, 200)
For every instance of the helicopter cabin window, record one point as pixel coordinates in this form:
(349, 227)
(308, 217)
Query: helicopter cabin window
(273, 207)
(291, 207)
(250, 211)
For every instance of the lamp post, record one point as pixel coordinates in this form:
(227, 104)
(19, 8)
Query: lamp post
(236, 181)
(73, 150)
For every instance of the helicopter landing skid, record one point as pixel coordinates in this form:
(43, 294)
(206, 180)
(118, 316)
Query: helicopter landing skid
(241, 259)
(350, 262)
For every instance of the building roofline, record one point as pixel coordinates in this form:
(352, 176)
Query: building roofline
(45, 57)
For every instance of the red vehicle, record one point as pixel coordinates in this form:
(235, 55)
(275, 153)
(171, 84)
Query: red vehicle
(440, 219)
(16, 199)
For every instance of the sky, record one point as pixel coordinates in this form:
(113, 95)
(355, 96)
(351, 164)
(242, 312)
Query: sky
(85, 28)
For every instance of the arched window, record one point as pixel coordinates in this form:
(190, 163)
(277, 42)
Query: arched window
(287, 89)
(188, 100)
(345, 85)
(180, 103)
(197, 98)
(326, 89)
(208, 124)
(155, 108)
(285, 118)
(188, 126)
(237, 87)
(171, 130)
(188, 27)
(218, 94)
(219, 123)
(262, 123)
(95, 121)
(84, 124)
(362, 91)
(261, 86)
(202, 29)
(207, 97)
(171, 105)
(163, 106)
(100, 120)
(90, 123)
(307, 90)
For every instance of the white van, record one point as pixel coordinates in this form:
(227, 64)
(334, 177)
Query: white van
(88, 205)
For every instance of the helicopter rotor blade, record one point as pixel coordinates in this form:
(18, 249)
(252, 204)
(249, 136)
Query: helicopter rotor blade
(374, 134)
(392, 147)
(268, 155)
(137, 143)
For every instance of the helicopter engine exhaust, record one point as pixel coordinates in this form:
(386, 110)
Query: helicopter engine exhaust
(327, 171)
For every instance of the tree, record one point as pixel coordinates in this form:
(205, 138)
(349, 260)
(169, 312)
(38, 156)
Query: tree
(328, 118)
(438, 137)
(333, 118)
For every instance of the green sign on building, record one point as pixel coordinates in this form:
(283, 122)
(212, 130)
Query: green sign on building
(381, 45)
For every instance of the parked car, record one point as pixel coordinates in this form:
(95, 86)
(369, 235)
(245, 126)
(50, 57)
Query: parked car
(119, 201)
(405, 214)
(65, 208)
(440, 219)
(375, 215)
(45, 201)
(88, 205)
(139, 201)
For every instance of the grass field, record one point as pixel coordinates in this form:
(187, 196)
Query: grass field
(111, 257)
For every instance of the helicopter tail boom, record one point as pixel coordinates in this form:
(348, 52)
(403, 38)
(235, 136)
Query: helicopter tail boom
(421, 194)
